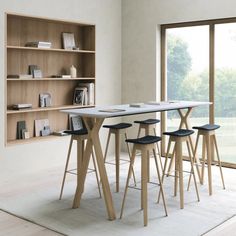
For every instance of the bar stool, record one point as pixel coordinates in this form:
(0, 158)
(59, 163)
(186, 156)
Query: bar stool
(147, 126)
(145, 144)
(208, 138)
(80, 136)
(178, 137)
(116, 130)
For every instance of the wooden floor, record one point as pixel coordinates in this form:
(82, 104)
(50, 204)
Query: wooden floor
(14, 226)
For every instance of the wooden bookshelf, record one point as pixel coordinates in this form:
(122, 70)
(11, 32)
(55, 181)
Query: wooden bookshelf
(22, 29)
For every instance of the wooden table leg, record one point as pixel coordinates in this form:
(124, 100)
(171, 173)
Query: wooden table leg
(185, 123)
(93, 126)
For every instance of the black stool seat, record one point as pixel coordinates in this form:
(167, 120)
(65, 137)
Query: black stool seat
(207, 127)
(147, 122)
(180, 133)
(118, 126)
(77, 132)
(149, 139)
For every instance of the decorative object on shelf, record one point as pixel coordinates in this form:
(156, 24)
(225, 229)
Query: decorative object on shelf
(20, 106)
(80, 96)
(68, 40)
(39, 44)
(37, 73)
(21, 76)
(21, 128)
(73, 72)
(90, 92)
(41, 127)
(56, 76)
(32, 68)
(45, 100)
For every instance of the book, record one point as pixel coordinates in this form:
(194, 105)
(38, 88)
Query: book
(136, 105)
(21, 106)
(21, 126)
(90, 92)
(66, 76)
(21, 76)
(60, 133)
(39, 44)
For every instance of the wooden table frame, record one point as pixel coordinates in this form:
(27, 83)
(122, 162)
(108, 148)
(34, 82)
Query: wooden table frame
(93, 120)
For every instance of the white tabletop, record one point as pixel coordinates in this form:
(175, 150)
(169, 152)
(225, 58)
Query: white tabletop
(125, 109)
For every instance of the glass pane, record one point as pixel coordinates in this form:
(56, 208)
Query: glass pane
(188, 71)
(225, 90)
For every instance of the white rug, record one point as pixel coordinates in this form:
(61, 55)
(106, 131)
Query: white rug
(35, 197)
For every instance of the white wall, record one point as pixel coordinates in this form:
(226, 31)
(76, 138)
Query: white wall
(106, 14)
(141, 20)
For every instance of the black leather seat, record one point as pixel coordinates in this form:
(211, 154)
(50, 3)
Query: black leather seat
(118, 126)
(147, 122)
(180, 133)
(77, 132)
(207, 127)
(144, 140)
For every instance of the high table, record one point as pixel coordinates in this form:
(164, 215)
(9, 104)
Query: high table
(93, 119)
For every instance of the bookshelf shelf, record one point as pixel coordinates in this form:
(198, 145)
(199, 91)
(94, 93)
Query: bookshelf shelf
(51, 61)
(50, 49)
(51, 79)
(41, 109)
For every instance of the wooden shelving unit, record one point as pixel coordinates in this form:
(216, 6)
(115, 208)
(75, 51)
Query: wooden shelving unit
(52, 61)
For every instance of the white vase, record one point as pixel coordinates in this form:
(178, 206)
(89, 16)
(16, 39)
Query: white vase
(73, 72)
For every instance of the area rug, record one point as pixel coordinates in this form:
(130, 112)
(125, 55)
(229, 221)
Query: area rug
(35, 197)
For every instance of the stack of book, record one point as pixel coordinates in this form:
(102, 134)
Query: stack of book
(20, 106)
(39, 44)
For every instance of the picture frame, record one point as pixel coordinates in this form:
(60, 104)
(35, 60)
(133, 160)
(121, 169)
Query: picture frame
(41, 126)
(68, 40)
(37, 73)
(79, 96)
(76, 123)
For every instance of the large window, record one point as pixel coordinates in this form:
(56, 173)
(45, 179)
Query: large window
(198, 60)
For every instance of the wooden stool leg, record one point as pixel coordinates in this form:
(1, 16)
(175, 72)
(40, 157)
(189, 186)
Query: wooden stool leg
(219, 162)
(66, 167)
(171, 162)
(139, 132)
(203, 158)
(96, 173)
(128, 148)
(127, 181)
(180, 170)
(165, 166)
(194, 160)
(108, 140)
(208, 141)
(158, 150)
(177, 170)
(192, 168)
(144, 179)
(160, 182)
(117, 150)
(147, 132)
